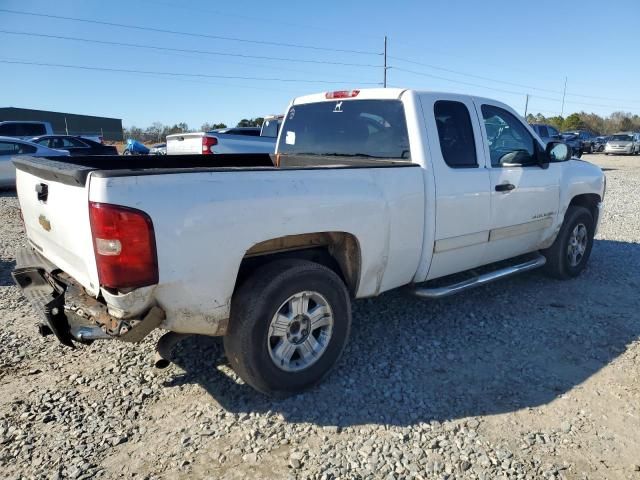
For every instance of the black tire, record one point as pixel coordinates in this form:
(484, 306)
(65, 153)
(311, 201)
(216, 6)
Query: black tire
(590, 149)
(558, 263)
(253, 306)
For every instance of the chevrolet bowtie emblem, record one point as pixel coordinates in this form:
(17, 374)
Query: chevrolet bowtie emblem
(46, 224)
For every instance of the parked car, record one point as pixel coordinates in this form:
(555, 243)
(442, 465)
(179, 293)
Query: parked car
(599, 143)
(371, 190)
(546, 132)
(573, 141)
(158, 149)
(134, 147)
(24, 129)
(549, 133)
(227, 140)
(75, 145)
(584, 137)
(11, 148)
(627, 143)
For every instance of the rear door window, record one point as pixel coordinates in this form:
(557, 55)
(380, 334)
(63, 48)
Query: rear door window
(455, 133)
(349, 128)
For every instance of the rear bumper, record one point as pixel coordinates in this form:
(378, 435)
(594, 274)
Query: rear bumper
(66, 309)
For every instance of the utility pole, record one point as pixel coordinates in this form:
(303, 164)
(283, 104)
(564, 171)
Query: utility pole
(564, 94)
(384, 83)
(526, 107)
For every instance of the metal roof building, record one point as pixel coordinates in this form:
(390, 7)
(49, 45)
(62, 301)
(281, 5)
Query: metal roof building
(71, 123)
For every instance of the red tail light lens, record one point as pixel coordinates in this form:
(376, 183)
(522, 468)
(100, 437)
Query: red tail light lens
(124, 245)
(342, 94)
(207, 143)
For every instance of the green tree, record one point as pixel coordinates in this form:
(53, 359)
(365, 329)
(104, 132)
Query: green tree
(250, 122)
(206, 127)
(572, 122)
(556, 121)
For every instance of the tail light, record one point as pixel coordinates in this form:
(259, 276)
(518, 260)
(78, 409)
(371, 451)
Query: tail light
(341, 94)
(207, 143)
(124, 245)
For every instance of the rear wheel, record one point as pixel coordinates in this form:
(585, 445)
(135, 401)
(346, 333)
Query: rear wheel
(289, 324)
(568, 255)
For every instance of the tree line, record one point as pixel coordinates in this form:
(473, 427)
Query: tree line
(157, 132)
(616, 122)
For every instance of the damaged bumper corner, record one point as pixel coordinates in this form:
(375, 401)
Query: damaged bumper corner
(68, 311)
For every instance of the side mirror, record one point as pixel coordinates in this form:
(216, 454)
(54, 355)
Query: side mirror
(558, 152)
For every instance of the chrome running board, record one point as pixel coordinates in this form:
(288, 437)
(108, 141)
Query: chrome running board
(439, 292)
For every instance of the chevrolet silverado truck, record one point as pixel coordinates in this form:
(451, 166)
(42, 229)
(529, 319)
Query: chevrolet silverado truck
(368, 191)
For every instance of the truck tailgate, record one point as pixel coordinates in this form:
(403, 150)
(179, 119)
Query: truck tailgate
(184, 143)
(56, 219)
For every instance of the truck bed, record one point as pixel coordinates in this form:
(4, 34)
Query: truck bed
(75, 170)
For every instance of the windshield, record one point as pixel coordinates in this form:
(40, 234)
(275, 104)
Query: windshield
(270, 128)
(367, 128)
(621, 138)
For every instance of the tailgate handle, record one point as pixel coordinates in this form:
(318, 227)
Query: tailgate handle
(42, 189)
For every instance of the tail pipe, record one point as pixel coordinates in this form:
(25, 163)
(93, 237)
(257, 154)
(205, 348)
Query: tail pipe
(165, 346)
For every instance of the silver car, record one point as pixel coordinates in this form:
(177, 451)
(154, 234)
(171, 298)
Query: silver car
(627, 143)
(13, 147)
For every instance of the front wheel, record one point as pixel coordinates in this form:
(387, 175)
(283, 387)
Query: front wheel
(568, 255)
(289, 324)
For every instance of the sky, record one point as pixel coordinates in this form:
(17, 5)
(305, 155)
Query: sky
(502, 49)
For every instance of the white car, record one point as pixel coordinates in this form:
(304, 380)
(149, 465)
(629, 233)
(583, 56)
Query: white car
(627, 143)
(368, 191)
(12, 148)
(227, 140)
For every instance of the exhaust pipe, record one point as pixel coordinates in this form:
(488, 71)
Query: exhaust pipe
(164, 347)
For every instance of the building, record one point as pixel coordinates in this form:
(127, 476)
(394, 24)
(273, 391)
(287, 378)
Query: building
(68, 123)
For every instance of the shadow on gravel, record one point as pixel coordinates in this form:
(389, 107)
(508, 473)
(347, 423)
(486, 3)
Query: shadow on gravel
(6, 267)
(510, 345)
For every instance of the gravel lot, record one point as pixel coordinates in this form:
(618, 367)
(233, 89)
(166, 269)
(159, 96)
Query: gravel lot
(525, 378)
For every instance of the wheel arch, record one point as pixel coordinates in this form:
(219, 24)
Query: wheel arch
(589, 201)
(339, 251)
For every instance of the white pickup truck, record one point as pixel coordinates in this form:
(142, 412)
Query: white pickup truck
(369, 191)
(227, 140)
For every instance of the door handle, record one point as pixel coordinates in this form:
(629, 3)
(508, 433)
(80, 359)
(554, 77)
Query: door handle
(505, 187)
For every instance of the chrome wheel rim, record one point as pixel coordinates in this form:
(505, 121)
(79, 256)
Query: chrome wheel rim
(577, 245)
(300, 331)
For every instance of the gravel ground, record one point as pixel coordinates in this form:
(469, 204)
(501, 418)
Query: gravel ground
(525, 378)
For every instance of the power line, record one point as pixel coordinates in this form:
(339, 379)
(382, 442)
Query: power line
(528, 87)
(178, 74)
(188, 34)
(435, 67)
(185, 50)
(461, 82)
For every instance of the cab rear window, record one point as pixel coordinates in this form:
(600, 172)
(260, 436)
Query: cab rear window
(356, 128)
